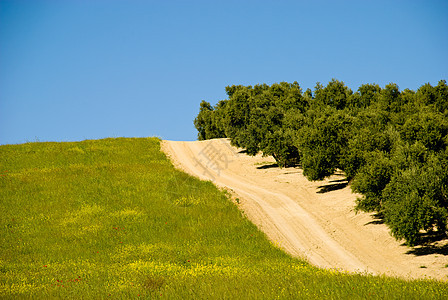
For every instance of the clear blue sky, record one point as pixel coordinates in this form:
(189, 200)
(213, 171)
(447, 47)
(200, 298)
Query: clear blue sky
(74, 70)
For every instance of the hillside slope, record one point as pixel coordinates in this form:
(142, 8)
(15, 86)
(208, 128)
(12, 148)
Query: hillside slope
(312, 220)
(114, 219)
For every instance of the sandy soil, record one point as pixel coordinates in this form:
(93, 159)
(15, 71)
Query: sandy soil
(311, 220)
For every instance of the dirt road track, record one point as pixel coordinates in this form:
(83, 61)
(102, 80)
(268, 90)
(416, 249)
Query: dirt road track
(311, 220)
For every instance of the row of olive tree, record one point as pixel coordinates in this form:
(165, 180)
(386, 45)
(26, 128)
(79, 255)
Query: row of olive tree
(391, 144)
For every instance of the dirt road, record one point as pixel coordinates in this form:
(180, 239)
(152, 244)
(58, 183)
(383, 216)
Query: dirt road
(311, 220)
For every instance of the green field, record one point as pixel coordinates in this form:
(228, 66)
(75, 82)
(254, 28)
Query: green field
(112, 218)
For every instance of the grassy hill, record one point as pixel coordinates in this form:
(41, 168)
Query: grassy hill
(113, 218)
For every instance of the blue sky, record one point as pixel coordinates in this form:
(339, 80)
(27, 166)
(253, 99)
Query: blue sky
(75, 70)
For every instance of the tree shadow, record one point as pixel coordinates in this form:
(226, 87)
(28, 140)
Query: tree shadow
(428, 250)
(339, 180)
(274, 165)
(430, 243)
(332, 187)
(379, 219)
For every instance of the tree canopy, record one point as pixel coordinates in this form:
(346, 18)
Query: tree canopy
(391, 144)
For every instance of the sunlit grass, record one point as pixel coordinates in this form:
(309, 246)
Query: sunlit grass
(112, 217)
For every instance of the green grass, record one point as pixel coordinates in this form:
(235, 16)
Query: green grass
(113, 219)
